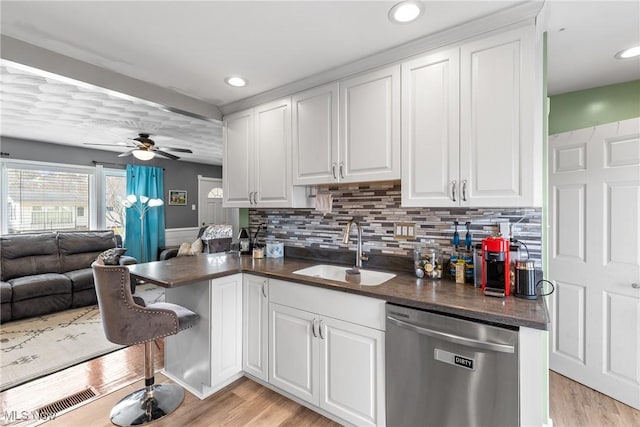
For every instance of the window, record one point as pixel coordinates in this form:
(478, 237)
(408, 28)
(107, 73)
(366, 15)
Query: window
(40, 196)
(215, 193)
(115, 190)
(46, 198)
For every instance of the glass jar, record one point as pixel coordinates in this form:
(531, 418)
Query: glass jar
(427, 260)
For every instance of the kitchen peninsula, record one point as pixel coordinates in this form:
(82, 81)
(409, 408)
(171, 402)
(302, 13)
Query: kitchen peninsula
(241, 301)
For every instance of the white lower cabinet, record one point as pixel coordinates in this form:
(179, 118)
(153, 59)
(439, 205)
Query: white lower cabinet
(294, 355)
(331, 363)
(255, 326)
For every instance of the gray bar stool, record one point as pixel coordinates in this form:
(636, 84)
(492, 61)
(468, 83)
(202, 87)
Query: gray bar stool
(127, 322)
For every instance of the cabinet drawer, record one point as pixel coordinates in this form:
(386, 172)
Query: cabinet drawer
(352, 308)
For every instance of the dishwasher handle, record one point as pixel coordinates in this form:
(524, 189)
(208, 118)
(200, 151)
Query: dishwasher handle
(470, 342)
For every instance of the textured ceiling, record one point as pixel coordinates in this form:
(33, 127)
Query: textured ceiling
(49, 108)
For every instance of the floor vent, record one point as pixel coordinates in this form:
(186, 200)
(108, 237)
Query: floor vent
(52, 409)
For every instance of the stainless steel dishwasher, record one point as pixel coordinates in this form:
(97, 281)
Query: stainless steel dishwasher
(445, 371)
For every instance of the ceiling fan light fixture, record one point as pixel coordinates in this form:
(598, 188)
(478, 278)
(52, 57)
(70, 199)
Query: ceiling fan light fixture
(405, 12)
(236, 81)
(628, 53)
(143, 154)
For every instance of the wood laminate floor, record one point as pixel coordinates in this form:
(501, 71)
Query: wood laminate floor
(246, 403)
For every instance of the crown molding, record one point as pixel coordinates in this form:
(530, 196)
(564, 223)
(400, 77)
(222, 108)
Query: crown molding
(518, 15)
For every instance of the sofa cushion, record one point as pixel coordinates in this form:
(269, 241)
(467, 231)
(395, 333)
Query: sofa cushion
(84, 298)
(40, 305)
(5, 300)
(28, 254)
(40, 285)
(80, 279)
(5, 292)
(78, 249)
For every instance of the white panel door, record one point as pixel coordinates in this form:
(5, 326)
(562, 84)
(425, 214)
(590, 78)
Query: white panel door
(237, 168)
(430, 129)
(498, 151)
(255, 327)
(272, 157)
(315, 135)
(226, 328)
(594, 257)
(293, 364)
(352, 372)
(370, 126)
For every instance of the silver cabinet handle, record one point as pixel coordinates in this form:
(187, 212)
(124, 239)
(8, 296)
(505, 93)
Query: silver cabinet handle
(453, 190)
(320, 330)
(255, 197)
(250, 195)
(264, 292)
(635, 286)
(341, 170)
(333, 170)
(313, 328)
(469, 342)
(464, 190)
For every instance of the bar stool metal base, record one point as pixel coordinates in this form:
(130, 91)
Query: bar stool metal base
(147, 405)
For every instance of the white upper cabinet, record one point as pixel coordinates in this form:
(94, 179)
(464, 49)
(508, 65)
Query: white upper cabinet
(370, 126)
(430, 129)
(315, 135)
(469, 124)
(500, 153)
(348, 131)
(257, 160)
(237, 170)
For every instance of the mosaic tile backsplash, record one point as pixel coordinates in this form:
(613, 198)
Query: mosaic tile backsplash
(377, 207)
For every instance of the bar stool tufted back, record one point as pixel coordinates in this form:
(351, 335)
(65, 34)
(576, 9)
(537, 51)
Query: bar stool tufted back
(127, 322)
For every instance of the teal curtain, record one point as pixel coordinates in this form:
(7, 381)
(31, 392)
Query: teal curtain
(145, 181)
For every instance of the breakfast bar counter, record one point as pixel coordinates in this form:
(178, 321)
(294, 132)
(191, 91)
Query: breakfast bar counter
(442, 295)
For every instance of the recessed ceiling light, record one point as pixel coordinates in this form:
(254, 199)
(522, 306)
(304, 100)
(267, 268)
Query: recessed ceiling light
(628, 53)
(405, 12)
(236, 81)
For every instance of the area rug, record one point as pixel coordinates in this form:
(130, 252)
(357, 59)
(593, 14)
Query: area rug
(38, 346)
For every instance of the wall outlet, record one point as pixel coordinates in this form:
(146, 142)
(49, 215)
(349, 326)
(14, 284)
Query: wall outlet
(404, 230)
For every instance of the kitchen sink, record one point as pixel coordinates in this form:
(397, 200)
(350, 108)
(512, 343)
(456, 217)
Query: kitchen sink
(338, 273)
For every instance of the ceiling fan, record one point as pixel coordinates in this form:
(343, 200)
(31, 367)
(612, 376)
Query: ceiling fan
(144, 148)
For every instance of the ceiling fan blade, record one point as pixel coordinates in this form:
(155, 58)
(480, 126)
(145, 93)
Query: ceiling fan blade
(127, 153)
(179, 150)
(162, 153)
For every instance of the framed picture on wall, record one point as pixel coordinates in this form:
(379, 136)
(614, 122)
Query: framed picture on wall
(177, 197)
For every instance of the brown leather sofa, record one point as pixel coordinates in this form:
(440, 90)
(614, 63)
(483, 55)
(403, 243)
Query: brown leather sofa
(44, 273)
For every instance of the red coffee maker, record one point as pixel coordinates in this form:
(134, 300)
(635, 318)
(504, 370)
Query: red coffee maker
(495, 266)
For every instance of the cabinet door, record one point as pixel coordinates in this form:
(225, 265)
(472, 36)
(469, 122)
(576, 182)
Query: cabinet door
(272, 154)
(293, 364)
(237, 168)
(226, 328)
(370, 126)
(352, 372)
(315, 135)
(255, 355)
(499, 155)
(430, 135)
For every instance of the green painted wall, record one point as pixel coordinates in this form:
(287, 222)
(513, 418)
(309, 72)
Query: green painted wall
(592, 107)
(243, 218)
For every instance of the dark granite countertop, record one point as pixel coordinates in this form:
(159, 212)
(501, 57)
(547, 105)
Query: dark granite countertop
(443, 296)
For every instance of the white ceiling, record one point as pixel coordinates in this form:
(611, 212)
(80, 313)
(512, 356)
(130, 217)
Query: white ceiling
(191, 46)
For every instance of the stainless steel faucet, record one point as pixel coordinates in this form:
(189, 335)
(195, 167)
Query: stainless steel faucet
(345, 239)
